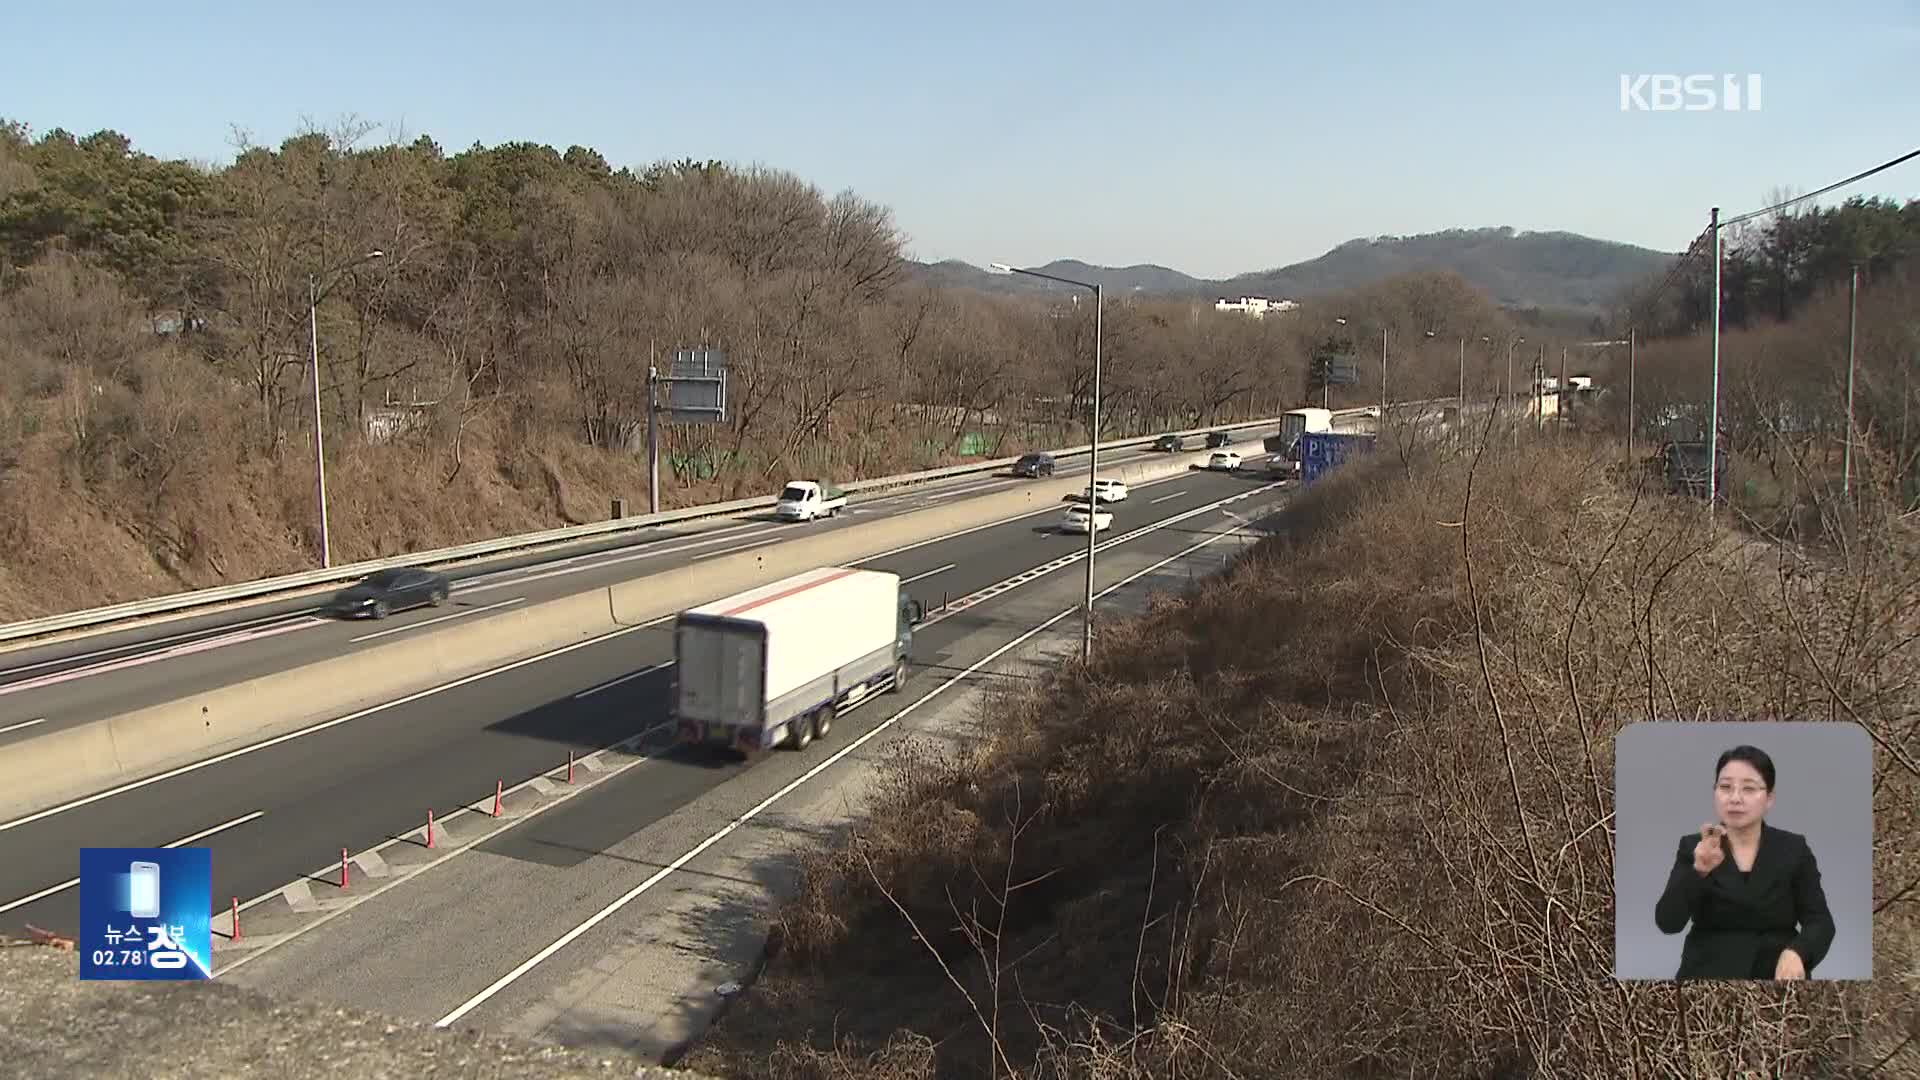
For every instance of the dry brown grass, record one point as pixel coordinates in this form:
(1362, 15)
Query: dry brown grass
(1346, 812)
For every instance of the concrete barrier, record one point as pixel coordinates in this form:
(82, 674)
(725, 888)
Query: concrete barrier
(73, 762)
(82, 759)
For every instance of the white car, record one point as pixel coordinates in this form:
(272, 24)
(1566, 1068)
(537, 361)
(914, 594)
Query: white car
(1106, 490)
(1080, 518)
(1224, 461)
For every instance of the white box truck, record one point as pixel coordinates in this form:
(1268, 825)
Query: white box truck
(777, 663)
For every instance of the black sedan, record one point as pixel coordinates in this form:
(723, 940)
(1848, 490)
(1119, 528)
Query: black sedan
(1034, 465)
(1169, 443)
(387, 591)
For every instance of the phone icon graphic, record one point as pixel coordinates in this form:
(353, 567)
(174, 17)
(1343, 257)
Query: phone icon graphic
(143, 892)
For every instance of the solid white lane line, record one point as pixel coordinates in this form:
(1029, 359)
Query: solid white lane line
(482, 810)
(663, 873)
(595, 564)
(430, 691)
(929, 573)
(737, 550)
(1022, 516)
(521, 573)
(321, 726)
(22, 724)
(629, 677)
(182, 842)
(165, 641)
(430, 622)
(187, 648)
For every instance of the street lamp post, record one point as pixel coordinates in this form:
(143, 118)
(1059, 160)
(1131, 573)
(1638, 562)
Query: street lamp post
(1326, 388)
(313, 342)
(1093, 449)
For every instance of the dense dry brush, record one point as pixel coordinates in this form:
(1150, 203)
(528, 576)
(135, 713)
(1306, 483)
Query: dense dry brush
(1347, 811)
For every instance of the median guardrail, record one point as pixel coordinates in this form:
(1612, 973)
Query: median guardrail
(162, 605)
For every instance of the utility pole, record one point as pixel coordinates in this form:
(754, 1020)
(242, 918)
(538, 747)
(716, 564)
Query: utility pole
(1632, 359)
(653, 433)
(1093, 471)
(1463, 381)
(1540, 387)
(1853, 311)
(1383, 377)
(319, 447)
(1560, 395)
(313, 342)
(1713, 411)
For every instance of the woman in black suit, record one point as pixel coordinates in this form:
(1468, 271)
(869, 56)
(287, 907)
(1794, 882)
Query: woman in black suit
(1751, 891)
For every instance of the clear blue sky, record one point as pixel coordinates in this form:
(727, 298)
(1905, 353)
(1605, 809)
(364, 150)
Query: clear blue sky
(1214, 139)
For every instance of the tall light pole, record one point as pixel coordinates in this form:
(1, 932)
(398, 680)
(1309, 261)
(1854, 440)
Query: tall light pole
(1326, 388)
(313, 341)
(1093, 448)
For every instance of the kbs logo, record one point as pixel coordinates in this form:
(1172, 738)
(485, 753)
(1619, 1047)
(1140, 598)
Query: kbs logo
(1689, 93)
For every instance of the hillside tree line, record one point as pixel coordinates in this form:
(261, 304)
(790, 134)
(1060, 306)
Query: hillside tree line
(487, 373)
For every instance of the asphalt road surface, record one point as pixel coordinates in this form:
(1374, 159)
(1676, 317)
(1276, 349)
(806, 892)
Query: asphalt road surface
(273, 815)
(85, 678)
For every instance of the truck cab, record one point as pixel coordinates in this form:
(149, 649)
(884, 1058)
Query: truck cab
(806, 500)
(1285, 445)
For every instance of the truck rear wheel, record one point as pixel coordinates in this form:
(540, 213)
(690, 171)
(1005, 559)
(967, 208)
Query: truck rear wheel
(800, 732)
(899, 676)
(823, 722)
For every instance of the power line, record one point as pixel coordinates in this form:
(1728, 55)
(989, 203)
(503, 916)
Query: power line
(1908, 156)
(1653, 299)
(1680, 264)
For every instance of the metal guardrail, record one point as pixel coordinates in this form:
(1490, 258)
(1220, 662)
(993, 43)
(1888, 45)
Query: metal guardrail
(160, 605)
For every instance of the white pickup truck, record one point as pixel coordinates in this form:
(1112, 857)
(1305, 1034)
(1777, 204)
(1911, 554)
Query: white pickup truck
(805, 500)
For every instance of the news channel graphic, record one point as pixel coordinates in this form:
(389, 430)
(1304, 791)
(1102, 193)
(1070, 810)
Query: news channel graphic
(1804, 789)
(146, 913)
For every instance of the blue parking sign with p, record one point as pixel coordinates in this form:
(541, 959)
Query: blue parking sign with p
(146, 913)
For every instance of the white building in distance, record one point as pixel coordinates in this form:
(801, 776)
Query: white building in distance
(1256, 306)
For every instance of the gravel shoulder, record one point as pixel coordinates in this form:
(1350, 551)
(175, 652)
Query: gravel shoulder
(55, 1027)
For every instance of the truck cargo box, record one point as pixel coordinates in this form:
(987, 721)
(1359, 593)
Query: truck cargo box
(750, 665)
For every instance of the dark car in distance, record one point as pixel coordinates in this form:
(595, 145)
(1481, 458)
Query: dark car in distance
(1034, 465)
(1170, 443)
(386, 591)
(1218, 439)
(1683, 465)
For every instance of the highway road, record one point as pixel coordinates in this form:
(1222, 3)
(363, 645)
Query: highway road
(84, 678)
(272, 814)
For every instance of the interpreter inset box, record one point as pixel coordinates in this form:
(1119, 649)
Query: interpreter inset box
(1743, 850)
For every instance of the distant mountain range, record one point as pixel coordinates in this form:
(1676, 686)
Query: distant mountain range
(1554, 271)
